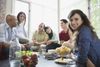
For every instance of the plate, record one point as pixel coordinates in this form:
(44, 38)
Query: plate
(64, 61)
(51, 56)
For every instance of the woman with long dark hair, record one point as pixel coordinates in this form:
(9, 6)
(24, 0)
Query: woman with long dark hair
(52, 42)
(21, 32)
(87, 41)
(21, 17)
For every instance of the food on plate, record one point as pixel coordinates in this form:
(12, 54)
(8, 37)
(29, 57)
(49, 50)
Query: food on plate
(63, 50)
(64, 61)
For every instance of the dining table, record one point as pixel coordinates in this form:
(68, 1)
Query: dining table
(43, 62)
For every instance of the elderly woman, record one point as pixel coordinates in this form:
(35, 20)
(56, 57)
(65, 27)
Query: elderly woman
(39, 37)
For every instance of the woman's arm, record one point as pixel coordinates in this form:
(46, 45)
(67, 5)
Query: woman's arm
(34, 37)
(83, 47)
(90, 64)
(69, 44)
(45, 39)
(54, 39)
(83, 44)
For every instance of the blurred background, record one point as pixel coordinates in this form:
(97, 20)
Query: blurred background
(50, 12)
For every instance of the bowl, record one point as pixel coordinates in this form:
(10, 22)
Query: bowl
(51, 51)
(23, 41)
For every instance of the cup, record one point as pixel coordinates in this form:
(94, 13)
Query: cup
(43, 48)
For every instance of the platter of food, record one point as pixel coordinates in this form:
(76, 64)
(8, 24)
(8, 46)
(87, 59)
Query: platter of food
(63, 61)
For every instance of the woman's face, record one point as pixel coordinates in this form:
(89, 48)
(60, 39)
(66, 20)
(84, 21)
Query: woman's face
(48, 30)
(22, 17)
(76, 21)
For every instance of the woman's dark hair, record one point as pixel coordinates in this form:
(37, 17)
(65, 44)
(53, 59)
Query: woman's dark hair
(19, 15)
(84, 18)
(64, 20)
(49, 34)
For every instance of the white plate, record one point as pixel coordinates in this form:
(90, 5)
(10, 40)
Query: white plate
(64, 61)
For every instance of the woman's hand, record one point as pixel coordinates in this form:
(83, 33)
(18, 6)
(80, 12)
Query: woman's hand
(22, 47)
(67, 43)
(34, 41)
(49, 42)
(37, 43)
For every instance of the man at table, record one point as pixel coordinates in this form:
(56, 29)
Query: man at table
(64, 34)
(8, 39)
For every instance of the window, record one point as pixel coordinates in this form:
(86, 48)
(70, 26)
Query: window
(23, 6)
(46, 11)
(95, 15)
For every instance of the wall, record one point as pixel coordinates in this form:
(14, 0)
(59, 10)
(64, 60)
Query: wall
(95, 15)
(5, 8)
(2, 10)
(10, 6)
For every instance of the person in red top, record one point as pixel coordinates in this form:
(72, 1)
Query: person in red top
(64, 35)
